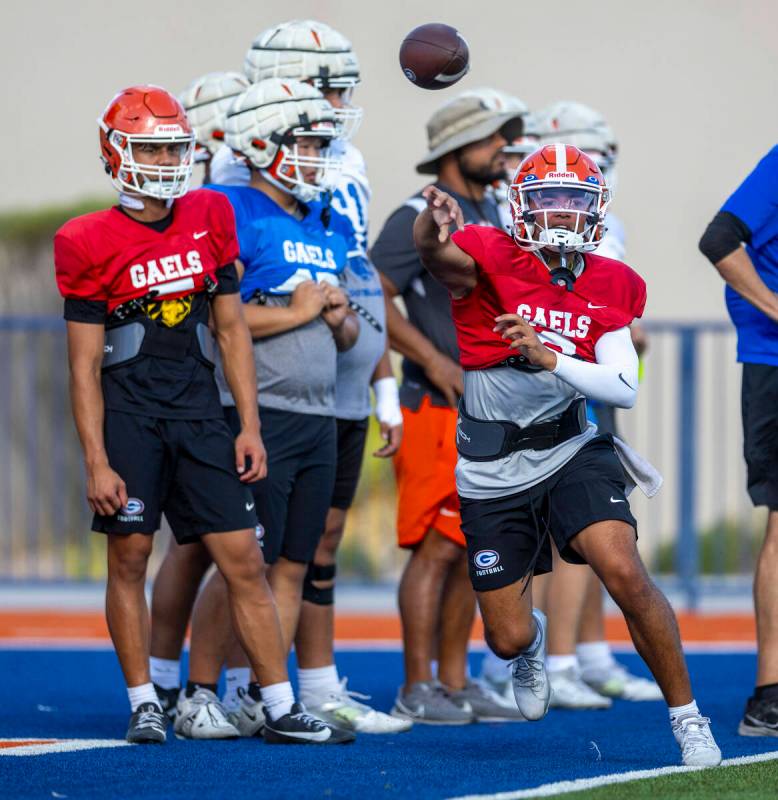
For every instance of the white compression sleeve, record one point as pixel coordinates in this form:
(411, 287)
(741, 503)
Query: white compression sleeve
(613, 379)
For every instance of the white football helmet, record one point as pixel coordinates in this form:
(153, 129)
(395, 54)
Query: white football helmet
(582, 126)
(206, 101)
(263, 125)
(309, 51)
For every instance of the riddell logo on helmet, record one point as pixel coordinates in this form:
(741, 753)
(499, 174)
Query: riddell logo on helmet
(168, 129)
(564, 175)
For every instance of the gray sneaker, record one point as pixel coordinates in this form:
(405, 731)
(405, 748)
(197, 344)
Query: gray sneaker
(430, 704)
(530, 681)
(487, 705)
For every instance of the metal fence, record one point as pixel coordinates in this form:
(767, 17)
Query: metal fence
(700, 529)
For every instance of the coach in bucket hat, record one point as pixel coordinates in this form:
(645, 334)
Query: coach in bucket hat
(470, 117)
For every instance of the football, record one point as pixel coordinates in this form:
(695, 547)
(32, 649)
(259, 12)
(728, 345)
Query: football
(434, 56)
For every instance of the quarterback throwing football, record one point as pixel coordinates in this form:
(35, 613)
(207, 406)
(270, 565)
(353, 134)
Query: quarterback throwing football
(543, 323)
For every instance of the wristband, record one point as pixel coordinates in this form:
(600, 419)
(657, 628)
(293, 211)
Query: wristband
(387, 402)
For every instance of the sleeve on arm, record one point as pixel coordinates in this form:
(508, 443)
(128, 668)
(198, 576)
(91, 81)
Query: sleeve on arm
(77, 277)
(94, 312)
(723, 236)
(469, 241)
(755, 201)
(229, 281)
(226, 239)
(613, 379)
(394, 253)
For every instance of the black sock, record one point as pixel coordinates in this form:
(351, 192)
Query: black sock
(255, 693)
(192, 687)
(767, 692)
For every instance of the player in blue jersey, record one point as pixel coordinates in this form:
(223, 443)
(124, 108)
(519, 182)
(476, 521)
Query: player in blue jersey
(750, 217)
(310, 51)
(292, 249)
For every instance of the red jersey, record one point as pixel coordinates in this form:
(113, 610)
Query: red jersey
(108, 256)
(608, 295)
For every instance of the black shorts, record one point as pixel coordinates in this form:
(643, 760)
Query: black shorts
(352, 435)
(509, 536)
(759, 404)
(184, 469)
(293, 500)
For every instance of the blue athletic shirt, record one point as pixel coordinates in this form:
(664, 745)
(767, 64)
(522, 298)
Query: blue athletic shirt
(279, 251)
(296, 370)
(755, 202)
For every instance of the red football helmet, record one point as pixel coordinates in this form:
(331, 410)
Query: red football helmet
(558, 200)
(144, 114)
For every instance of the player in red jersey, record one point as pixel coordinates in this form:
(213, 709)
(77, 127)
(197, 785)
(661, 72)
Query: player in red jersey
(140, 281)
(542, 323)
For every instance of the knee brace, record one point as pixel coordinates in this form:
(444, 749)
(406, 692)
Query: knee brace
(311, 593)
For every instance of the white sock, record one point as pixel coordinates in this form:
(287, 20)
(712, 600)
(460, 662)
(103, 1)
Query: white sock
(165, 672)
(144, 693)
(235, 678)
(278, 699)
(561, 663)
(315, 682)
(594, 655)
(679, 711)
(495, 668)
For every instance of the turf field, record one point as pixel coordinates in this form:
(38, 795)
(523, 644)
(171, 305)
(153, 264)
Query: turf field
(78, 694)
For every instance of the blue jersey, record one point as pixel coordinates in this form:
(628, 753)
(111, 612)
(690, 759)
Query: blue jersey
(279, 251)
(755, 202)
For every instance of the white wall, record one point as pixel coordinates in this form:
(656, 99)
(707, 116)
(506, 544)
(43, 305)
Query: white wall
(689, 86)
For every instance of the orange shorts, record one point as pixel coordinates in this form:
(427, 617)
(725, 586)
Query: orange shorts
(424, 465)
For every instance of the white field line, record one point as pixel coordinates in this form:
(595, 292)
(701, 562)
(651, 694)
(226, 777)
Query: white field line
(388, 645)
(566, 787)
(58, 746)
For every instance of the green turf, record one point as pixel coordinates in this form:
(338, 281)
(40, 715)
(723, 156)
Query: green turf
(749, 782)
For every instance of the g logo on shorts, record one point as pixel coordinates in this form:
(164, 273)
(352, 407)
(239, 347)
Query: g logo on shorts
(133, 507)
(485, 559)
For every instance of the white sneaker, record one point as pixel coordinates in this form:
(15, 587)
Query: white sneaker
(249, 718)
(569, 691)
(528, 671)
(615, 681)
(694, 737)
(342, 709)
(201, 716)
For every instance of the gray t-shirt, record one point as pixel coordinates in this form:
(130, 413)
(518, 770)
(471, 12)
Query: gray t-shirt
(427, 301)
(356, 366)
(523, 398)
(295, 369)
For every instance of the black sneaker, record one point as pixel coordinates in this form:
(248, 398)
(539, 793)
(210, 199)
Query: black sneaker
(760, 718)
(298, 727)
(147, 725)
(168, 698)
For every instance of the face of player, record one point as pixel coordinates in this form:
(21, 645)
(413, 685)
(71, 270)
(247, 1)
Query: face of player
(562, 207)
(309, 147)
(158, 154)
(483, 162)
(339, 98)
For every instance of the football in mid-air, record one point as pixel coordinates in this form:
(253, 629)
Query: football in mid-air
(434, 56)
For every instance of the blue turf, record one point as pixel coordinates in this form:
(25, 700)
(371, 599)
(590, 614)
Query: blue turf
(82, 696)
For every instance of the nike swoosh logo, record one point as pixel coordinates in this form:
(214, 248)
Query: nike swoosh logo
(319, 736)
(588, 304)
(614, 500)
(200, 234)
(252, 717)
(761, 723)
(621, 378)
(249, 506)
